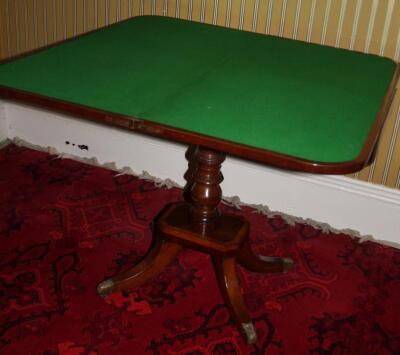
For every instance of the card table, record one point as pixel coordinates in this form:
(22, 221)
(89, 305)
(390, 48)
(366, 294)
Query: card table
(284, 103)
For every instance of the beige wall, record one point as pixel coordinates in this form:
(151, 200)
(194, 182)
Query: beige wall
(371, 26)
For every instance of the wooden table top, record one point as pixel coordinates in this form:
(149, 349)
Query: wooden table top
(285, 103)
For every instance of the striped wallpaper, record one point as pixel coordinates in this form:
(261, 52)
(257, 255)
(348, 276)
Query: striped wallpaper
(371, 26)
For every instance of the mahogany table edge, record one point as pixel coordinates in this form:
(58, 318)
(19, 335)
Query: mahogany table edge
(180, 135)
(247, 152)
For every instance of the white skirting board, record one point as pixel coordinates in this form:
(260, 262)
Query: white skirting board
(339, 201)
(3, 123)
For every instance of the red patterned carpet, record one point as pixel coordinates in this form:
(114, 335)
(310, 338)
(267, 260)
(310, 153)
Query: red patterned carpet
(65, 226)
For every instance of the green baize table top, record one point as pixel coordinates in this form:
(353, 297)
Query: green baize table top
(304, 100)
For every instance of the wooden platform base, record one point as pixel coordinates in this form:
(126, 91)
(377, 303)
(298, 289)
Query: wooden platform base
(226, 242)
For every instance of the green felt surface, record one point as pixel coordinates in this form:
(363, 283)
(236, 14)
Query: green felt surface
(308, 101)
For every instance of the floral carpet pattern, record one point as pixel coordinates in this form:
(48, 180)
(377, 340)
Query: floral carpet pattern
(66, 226)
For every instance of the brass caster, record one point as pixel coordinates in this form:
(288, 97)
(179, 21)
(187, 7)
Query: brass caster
(105, 288)
(249, 332)
(287, 264)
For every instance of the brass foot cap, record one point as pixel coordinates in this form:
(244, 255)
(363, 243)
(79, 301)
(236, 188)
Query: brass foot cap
(287, 264)
(249, 332)
(105, 288)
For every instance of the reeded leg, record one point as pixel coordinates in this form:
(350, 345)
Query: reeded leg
(262, 264)
(228, 281)
(158, 257)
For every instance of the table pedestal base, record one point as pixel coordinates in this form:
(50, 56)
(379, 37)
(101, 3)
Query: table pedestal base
(227, 244)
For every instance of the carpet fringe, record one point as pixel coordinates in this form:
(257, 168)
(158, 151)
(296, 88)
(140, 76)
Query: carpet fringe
(5, 143)
(126, 170)
(292, 220)
(232, 201)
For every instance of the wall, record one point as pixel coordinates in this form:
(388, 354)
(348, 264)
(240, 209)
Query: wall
(371, 26)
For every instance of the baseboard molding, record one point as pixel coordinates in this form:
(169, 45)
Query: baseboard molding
(3, 124)
(339, 201)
